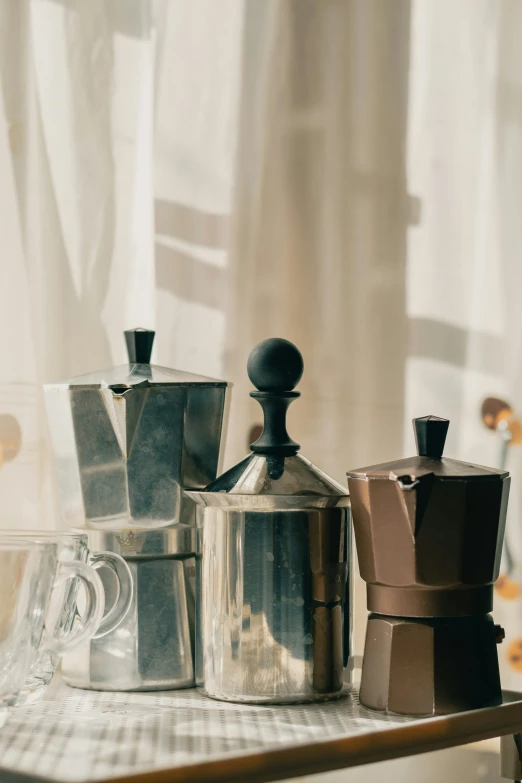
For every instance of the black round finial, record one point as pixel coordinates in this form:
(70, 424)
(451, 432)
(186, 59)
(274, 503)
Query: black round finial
(275, 365)
(139, 345)
(430, 435)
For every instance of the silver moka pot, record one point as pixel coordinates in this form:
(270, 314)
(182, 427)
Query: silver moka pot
(126, 441)
(274, 600)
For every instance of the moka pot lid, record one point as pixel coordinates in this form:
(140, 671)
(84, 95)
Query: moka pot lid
(138, 373)
(275, 475)
(430, 435)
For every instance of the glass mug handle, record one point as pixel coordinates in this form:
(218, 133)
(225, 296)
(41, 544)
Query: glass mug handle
(124, 589)
(92, 616)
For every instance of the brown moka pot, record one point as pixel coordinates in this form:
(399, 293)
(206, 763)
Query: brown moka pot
(429, 534)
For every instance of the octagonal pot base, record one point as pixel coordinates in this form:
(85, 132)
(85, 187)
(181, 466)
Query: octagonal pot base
(430, 666)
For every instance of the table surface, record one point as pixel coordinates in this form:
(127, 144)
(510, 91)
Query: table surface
(74, 735)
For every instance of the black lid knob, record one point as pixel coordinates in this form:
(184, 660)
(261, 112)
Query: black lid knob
(430, 435)
(275, 367)
(139, 345)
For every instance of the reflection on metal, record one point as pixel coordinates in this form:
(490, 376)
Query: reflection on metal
(126, 440)
(152, 649)
(274, 608)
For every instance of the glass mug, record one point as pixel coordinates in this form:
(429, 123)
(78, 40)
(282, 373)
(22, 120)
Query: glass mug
(62, 611)
(30, 573)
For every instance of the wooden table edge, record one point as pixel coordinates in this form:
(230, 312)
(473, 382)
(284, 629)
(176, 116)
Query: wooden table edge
(356, 750)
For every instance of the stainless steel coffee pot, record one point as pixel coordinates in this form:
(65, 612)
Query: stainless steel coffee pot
(126, 441)
(274, 596)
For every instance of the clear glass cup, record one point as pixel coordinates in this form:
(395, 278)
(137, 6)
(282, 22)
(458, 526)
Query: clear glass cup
(63, 611)
(30, 572)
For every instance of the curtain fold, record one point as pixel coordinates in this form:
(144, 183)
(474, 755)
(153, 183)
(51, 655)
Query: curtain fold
(76, 133)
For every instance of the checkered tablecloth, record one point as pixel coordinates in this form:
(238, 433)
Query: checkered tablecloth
(74, 735)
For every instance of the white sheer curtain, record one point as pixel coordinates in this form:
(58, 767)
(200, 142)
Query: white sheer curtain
(77, 265)
(344, 173)
(464, 270)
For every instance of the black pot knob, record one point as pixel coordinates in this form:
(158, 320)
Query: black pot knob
(139, 345)
(430, 435)
(275, 367)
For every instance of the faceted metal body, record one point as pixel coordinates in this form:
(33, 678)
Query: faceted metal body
(153, 648)
(429, 534)
(429, 544)
(127, 440)
(430, 667)
(274, 607)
